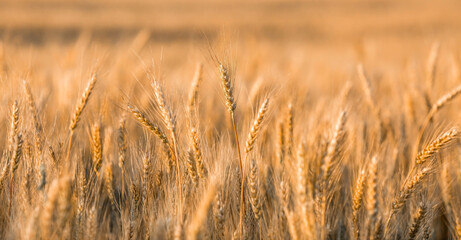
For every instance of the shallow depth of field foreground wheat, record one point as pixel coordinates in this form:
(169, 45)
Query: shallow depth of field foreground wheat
(223, 120)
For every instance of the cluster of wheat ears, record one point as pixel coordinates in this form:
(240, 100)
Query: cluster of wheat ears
(151, 164)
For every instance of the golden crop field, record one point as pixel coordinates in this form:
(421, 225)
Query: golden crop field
(219, 119)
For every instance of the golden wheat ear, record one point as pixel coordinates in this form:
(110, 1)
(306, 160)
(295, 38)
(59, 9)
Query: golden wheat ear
(198, 156)
(14, 129)
(37, 124)
(357, 199)
(96, 143)
(418, 221)
(254, 189)
(255, 128)
(82, 103)
(436, 145)
(122, 149)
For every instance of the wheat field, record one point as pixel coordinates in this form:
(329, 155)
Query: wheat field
(269, 122)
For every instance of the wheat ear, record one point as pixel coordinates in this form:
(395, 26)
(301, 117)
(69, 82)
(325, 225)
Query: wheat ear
(334, 146)
(147, 168)
(418, 221)
(15, 164)
(302, 184)
(190, 164)
(14, 128)
(135, 203)
(108, 179)
(82, 193)
(254, 193)
(218, 215)
(357, 199)
(82, 103)
(280, 142)
(372, 194)
(92, 224)
(96, 144)
(122, 148)
(443, 101)
(201, 171)
(435, 146)
(255, 128)
(289, 129)
(12, 140)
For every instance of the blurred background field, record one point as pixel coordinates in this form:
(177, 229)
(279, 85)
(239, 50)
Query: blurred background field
(319, 22)
(332, 31)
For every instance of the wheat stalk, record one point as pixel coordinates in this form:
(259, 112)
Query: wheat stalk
(142, 119)
(231, 106)
(170, 122)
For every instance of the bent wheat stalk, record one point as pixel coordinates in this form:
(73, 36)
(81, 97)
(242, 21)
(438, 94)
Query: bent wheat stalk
(170, 122)
(78, 112)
